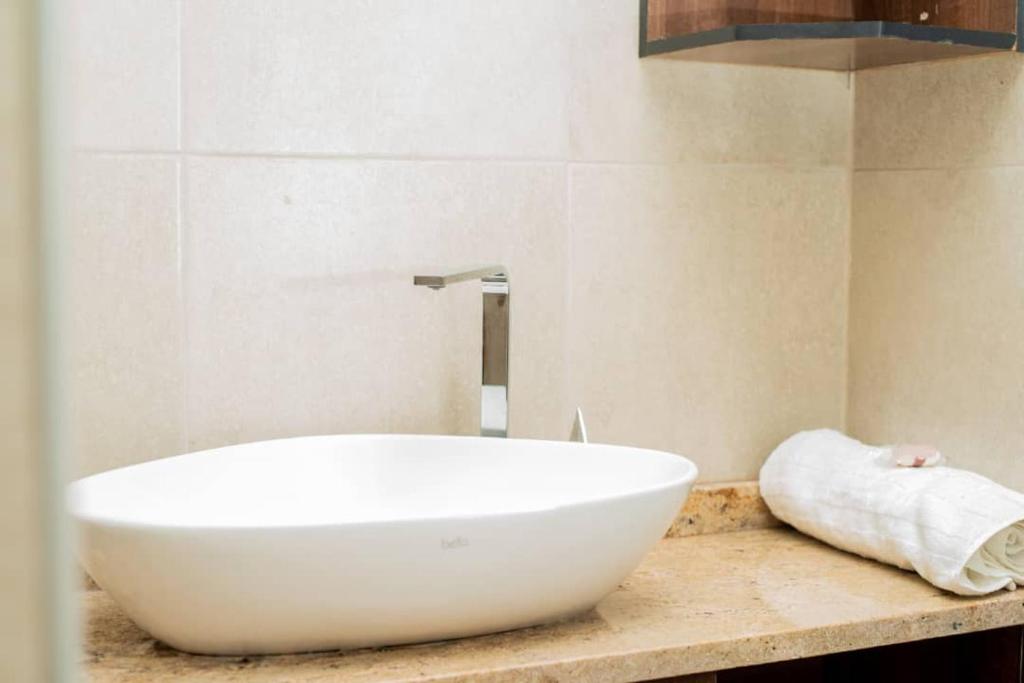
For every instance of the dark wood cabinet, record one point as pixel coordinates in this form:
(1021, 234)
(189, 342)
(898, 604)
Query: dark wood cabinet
(827, 34)
(984, 657)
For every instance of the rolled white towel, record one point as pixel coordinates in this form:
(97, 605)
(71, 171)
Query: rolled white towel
(959, 530)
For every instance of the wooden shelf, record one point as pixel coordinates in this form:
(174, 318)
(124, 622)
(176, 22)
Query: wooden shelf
(837, 35)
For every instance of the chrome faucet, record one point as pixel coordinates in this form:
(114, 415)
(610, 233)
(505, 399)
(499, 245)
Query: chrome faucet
(494, 385)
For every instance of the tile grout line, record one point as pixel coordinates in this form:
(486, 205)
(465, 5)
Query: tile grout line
(276, 156)
(937, 169)
(370, 158)
(181, 77)
(552, 161)
(569, 329)
(182, 235)
(851, 165)
(324, 156)
(183, 304)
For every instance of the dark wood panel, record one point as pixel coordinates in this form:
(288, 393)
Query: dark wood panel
(995, 656)
(984, 657)
(989, 656)
(668, 18)
(693, 678)
(799, 671)
(980, 15)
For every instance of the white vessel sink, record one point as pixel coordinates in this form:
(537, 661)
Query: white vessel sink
(331, 542)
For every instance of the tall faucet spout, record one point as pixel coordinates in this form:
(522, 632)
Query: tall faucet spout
(495, 352)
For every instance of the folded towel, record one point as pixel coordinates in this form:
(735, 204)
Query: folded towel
(959, 530)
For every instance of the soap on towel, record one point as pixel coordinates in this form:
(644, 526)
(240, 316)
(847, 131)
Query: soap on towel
(959, 530)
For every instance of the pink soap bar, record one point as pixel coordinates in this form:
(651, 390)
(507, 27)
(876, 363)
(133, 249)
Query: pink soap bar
(915, 455)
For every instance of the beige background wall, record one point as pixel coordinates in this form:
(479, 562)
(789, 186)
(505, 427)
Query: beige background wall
(937, 296)
(257, 186)
(22, 646)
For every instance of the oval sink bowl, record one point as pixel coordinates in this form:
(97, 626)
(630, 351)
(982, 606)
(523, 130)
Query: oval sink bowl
(333, 542)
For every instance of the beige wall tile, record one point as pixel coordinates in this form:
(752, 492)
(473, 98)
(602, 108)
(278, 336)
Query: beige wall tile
(937, 317)
(623, 108)
(708, 308)
(126, 312)
(393, 77)
(124, 64)
(965, 112)
(302, 314)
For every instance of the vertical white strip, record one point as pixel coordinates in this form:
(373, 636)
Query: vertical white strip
(61, 609)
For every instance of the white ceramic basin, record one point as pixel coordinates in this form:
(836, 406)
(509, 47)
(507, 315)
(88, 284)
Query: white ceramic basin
(331, 542)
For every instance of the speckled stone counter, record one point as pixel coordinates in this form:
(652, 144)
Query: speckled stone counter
(720, 508)
(698, 603)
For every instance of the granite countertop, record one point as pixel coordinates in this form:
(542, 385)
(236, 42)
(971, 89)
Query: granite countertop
(697, 603)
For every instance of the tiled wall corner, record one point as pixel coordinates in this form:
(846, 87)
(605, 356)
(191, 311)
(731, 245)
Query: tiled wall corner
(936, 314)
(938, 273)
